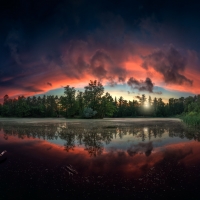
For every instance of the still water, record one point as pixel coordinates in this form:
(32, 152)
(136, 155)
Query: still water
(99, 159)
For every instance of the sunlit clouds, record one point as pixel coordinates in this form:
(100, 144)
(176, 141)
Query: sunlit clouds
(112, 45)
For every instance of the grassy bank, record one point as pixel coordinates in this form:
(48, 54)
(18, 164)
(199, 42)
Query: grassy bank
(191, 119)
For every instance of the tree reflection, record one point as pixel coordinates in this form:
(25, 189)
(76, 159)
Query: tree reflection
(80, 137)
(107, 136)
(69, 137)
(93, 144)
(94, 138)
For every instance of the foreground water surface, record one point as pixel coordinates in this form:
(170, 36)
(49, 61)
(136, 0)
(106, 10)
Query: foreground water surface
(85, 159)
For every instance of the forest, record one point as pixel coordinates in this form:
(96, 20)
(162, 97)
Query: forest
(94, 103)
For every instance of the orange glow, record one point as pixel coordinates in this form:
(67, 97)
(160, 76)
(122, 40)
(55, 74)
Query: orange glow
(129, 60)
(186, 152)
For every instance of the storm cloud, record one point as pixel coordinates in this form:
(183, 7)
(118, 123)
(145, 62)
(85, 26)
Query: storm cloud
(68, 42)
(82, 58)
(146, 85)
(103, 66)
(50, 84)
(168, 62)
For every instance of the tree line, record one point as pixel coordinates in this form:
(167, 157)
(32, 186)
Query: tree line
(94, 103)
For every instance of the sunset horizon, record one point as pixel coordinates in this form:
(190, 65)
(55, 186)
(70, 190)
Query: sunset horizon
(133, 50)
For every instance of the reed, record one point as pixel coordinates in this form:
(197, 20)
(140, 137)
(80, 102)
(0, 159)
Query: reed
(192, 120)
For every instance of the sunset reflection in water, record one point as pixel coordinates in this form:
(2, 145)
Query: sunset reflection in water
(133, 152)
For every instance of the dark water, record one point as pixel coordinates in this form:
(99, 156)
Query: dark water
(73, 160)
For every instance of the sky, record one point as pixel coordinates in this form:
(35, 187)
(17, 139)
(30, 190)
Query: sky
(131, 47)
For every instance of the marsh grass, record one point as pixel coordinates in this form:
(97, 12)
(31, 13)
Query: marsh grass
(192, 120)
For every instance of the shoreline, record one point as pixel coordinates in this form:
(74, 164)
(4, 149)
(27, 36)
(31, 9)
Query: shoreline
(62, 120)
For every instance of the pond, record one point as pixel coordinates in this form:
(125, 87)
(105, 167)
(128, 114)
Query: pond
(110, 158)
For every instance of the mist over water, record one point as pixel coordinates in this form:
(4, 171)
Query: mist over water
(116, 158)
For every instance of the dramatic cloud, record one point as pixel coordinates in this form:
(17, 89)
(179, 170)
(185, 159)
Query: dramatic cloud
(138, 97)
(49, 84)
(146, 85)
(62, 45)
(80, 60)
(75, 61)
(170, 63)
(103, 66)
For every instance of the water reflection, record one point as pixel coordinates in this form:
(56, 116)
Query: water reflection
(95, 138)
(140, 147)
(128, 157)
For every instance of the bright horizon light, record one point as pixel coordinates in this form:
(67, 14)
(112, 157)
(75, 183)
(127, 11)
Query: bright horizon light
(146, 105)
